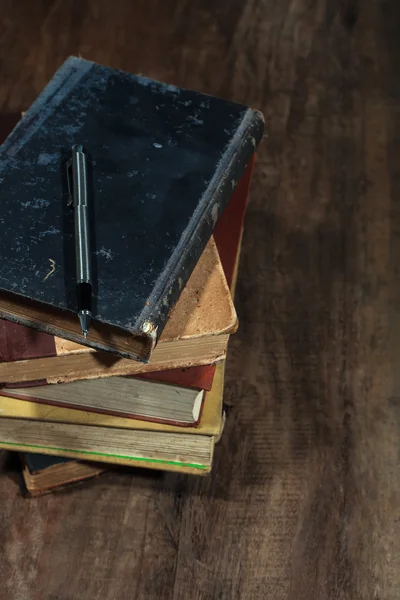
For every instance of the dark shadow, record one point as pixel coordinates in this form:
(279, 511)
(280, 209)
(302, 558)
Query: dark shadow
(7, 123)
(10, 467)
(349, 14)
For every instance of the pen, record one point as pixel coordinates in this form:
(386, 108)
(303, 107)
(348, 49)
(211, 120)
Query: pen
(78, 198)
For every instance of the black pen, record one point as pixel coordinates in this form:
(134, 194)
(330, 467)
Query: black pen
(78, 192)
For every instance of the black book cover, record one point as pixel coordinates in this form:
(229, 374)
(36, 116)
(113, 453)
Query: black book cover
(40, 462)
(163, 162)
(42, 474)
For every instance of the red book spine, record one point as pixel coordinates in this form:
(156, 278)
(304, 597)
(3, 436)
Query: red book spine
(228, 232)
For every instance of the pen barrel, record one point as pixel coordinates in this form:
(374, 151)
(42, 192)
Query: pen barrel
(82, 228)
(82, 244)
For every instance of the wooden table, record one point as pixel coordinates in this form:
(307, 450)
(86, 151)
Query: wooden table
(303, 502)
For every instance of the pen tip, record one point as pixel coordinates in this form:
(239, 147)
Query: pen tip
(84, 319)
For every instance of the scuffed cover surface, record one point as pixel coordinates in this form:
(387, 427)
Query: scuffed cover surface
(154, 151)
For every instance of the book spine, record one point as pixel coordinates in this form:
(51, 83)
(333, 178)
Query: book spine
(228, 232)
(220, 189)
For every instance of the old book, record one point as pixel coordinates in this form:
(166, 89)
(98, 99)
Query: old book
(209, 424)
(197, 333)
(164, 162)
(43, 474)
(119, 396)
(19, 344)
(158, 450)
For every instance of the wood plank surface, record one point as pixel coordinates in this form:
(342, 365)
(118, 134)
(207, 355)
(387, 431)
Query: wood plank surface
(304, 499)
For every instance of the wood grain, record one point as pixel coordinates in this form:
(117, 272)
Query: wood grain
(304, 498)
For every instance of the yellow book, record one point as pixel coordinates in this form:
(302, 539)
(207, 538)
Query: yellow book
(155, 450)
(210, 422)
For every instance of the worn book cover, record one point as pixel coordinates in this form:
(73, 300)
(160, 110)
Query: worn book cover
(163, 164)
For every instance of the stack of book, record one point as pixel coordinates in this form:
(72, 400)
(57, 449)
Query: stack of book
(170, 176)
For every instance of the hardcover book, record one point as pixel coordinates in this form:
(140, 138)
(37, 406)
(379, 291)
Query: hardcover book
(42, 473)
(163, 164)
(128, 397)
(209, 423)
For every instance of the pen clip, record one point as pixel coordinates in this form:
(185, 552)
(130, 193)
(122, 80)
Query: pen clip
(70, 184)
